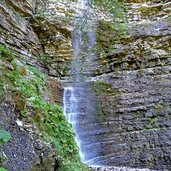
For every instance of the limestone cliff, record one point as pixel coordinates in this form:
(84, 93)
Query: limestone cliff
(132, 123)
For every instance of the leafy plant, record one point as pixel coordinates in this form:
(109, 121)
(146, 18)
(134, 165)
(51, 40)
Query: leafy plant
(4, 137)
(2, 169)
(169, 18)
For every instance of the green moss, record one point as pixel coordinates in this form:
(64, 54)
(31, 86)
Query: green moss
(153, 120)
(45, 59)
(101, 87)
(159, 107)
(148, 11)
(107, 35)
(1, 92)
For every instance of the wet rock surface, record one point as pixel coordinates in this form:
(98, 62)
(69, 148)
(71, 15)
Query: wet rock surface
(132, 127)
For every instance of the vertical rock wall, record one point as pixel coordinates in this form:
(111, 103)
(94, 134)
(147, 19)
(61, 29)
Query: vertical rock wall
(132, 124)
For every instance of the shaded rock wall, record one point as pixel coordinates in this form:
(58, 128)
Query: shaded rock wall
(37, 37)
(131, 126)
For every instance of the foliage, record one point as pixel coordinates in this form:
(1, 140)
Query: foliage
(5, 52)
(7, 55)
(4, 137)
(114, 7)
(2, 169)
(169, 18)
(56, 129)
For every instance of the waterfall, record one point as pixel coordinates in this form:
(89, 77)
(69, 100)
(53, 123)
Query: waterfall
(71, 110)
(78, 99)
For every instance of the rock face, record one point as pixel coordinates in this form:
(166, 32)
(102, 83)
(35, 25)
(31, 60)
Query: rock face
(16, 31)
(36, 37)
(24, 152)
(131, 121)
(132, 126)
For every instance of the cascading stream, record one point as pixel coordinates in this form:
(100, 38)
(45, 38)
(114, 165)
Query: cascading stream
(78, 99)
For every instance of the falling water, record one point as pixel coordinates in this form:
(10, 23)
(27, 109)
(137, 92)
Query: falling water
(78, 99)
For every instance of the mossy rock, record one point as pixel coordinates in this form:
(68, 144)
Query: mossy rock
(100, 87)
(6, 53)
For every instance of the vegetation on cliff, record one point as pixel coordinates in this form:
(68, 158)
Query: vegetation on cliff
(25, 88)
(4, 138)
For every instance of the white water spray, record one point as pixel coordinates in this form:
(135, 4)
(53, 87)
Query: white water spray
(71, 110)
(77, 97)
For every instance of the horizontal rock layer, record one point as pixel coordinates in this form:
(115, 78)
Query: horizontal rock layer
(16, 31)
(130, 125)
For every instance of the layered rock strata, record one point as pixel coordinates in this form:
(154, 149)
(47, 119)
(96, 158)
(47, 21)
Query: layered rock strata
(131, 124)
